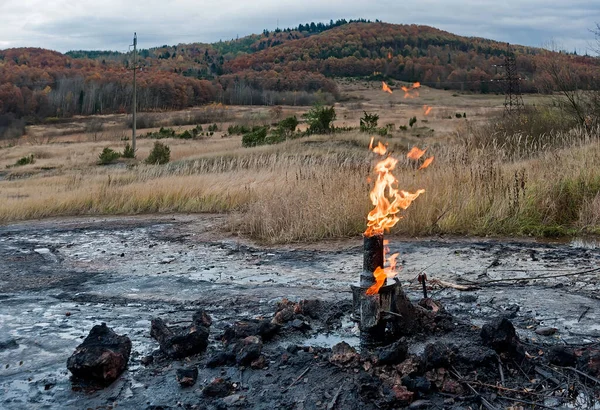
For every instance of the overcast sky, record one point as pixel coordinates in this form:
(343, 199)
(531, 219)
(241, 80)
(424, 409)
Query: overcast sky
(109, 24)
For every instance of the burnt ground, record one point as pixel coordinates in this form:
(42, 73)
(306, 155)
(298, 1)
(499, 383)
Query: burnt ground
(58, 278)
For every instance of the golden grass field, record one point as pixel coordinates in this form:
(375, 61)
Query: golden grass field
(316, 187)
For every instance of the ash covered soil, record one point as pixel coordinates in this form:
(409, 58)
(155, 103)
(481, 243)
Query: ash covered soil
(60, 277)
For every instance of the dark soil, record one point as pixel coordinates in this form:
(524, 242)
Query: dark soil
(278, 316)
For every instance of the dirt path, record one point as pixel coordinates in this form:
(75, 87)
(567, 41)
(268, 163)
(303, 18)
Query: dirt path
(60, 277)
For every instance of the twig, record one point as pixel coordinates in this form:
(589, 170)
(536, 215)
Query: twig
(531, 403)
(492, 281)
(297, 379)
(392, 313)
(331, 404)
(485, 403)
(584, 374)
(502, 382)
(506, 389)
(587, 309)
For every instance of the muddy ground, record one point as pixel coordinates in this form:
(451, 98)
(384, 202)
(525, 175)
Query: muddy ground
(60, 277)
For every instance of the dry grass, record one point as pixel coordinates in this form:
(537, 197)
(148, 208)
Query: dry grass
(315, 188)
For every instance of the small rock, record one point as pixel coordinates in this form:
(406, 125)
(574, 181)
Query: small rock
(418, 384)
(147, 360)
(167, 260)
(546, 331)
(399, 396)
(247, 350)
(420, 404)
(242, 329)
(283, 316)
(233, 400)
(501, 336)
(102, 356)
(438, 355)
(182, 342)
(300, 325)
(219, 387)
(292, 349)
(221, 359)
(42, 251)
(342, 353)
(310, 308)
(187, 377)
(562, 356)
(259, 363)
(393, 354)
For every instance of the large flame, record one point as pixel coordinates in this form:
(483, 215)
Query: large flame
(388, 201)
(386, 88)
(381, 274)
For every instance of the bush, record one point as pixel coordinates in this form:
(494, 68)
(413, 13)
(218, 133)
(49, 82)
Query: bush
(368, 123)
(29, 159)
(108, 156)
(403, 128)
(238, 129)
(256, 137)
(320, 120)
(128, 152)
(412, 121)
(458, 115)
(160, 154)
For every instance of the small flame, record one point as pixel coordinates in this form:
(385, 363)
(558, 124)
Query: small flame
(415, 153)
(381, 274)
(427, 109)
(386, 88)
(426, 163)
(411, 92)
(389, 56)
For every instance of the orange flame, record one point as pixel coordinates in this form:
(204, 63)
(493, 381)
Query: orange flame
(386, 88)
(426, 163)
(415, 153)
(388, 201)
(389, 55)
(411, 92)
(427, 109)
(381, 274)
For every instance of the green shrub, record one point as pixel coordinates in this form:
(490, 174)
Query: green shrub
(29, 159)
(108, 156)
(368, 123)
(320, 120)
(256, 137)
(412, 121)
(160, 154)
(458, 115)
(128, 151)
(238, 129)
(403, 128)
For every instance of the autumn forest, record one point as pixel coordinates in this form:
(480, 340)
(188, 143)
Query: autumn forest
(294, 66)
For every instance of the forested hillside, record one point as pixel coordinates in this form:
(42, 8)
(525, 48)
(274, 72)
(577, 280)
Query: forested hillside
(282, 67)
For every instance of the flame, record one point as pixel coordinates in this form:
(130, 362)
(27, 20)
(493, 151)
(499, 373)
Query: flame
(389, 55)
(426, 163)
(427, 109)
(386, 88)
(388, 201)
(381, 274)
(410, 92)
(415, 153)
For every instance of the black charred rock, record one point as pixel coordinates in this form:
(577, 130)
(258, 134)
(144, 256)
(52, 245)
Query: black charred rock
(221, 359)
(589, 361)
(242, 329)
(562, 356)
(219, 387)
(501, 336)
(102, 356)
(293, 349)
(393, 354)
(476, 355)
(312, 308)
(418, 384)
(300, 325)
(343, 354)
(247, 350)
(182, 342)
(187, 377)
(438, 355)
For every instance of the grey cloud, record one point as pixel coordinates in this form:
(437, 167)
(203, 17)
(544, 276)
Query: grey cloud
(85, 24)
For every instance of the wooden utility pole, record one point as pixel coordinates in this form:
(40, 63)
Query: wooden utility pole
(134, 91)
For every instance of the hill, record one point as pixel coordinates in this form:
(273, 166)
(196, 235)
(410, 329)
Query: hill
(291, 66)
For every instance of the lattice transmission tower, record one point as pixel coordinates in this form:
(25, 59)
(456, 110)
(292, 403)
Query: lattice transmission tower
(513, 101)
